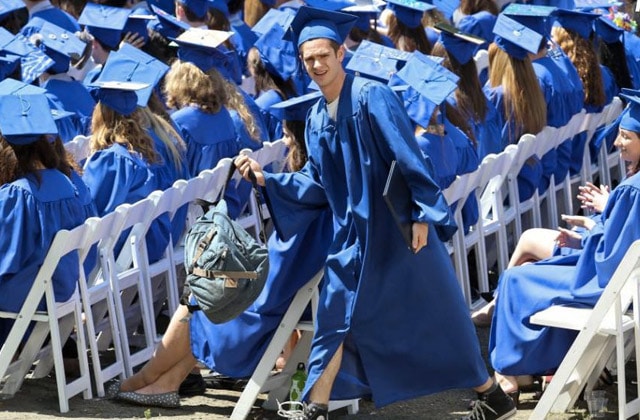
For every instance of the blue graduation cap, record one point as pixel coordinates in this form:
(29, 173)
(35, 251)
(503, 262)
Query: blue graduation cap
(515, 38)
(60, 45)
(409, 12)
(118, 95)
(631, 119)
(8, 6)
(607, 30)
(536, 18)
(220, 5)
(25, 117)
(586, 5)
(278, 55)
(167, 25)
(377, 61)
(365, 13)
(15, 87)
(274, 17)
(129, 64)
(105, 23)
(447, 7)
(198, 7)
(331, 5)
(580, 22)
(429, 85)
(8, 64)
(461, 45)
(295, 109)
(204, 49)
(33, 62)
(137, 23)
(311, 23)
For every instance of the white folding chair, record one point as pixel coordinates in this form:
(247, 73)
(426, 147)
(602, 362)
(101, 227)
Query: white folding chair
(79, 147)
(482, 60)
(526, 148)
(609, 160)
(57, 322)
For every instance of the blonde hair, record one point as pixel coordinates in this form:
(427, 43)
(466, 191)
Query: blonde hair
(236, 101)
(109, 127)
(185, 84)
(583, 56)
(166, 133)
(523, 98)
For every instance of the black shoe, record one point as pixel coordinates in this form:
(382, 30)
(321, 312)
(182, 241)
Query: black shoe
(192, 385)
(492, 405)
(312, 411)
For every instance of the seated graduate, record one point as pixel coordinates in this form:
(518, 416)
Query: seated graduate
(73, 96)
(44, 10)
(573, 34)
(234, 348)
(457, 49)
(41, 193)
(515, 92)
(120, 167)
(477, 17)
(404, 23)
(576, 278)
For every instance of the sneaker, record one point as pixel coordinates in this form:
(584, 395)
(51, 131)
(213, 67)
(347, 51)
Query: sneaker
(493, 405)
(300, 411)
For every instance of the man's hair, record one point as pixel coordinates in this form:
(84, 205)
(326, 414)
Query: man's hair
(334, 45)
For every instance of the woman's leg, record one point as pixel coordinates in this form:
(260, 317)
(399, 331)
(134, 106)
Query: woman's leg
(174, 350)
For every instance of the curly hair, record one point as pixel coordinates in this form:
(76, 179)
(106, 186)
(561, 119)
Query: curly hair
(185, 84)
(583, 56)
(407, 39)
(236, 101)
(109, 127)
(8, 163)
(469, 96)
(470, 7)
(523, 98)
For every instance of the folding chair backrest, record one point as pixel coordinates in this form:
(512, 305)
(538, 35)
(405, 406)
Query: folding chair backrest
(78, 147)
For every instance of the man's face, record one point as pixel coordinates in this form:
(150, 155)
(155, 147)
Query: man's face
(322, 62)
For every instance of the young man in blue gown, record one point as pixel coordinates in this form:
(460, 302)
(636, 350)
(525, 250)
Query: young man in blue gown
(374, 284)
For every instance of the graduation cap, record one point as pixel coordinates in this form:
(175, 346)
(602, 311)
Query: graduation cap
(461, 45)
(8, 64)
(331, 5)
(365, 13)
(220, 5)
(203, 48)
(515, 38)
(274, 17)
(295, 109)
(25, 117)
(311, 23)
(429, 85)
(580, 22)
(105, 23)
(33, 61)
(198, 7)
(447, 7)
(595, 4)
(15, 87)
(60, 45)
(631, 119)
(118, 95)
(409, 12)
(377, 61)
(137, 23)
(278, 55)
(9, 6)
(533, 16)
(607, 30)
(129, 64)
(167, 25)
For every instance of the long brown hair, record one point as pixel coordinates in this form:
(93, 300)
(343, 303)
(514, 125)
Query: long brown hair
(470, 99)
(470, 7)
(297, 155)
(265, 80)
(109, 127)
(523, 98)
(583, 56)
(408, 39)
(253, 11)
(26, 159)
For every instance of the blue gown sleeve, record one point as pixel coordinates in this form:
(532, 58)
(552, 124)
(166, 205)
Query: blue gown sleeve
(394, 127)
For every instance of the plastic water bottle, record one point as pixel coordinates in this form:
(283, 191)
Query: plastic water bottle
(298, 379)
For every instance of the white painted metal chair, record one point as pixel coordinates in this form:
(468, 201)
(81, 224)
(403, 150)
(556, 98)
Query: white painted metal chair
(609, 161)
(526, 149)
(611, 327)
(57, 322)
(482, 60)
(78, 147)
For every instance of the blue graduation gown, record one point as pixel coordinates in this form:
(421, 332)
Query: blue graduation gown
(52, 15)
(73, 97)
(518, 347)
(479, 24)
(375, 286)
(116, 176)
(32, 212)
(209, 138)
(256, 113)
(560, 89)
(274, 124)
(632, 53)
(235, 347)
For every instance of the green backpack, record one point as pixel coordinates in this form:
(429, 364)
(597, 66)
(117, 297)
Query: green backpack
(226, 267)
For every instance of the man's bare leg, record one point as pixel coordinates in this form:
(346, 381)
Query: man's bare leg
(321, 390)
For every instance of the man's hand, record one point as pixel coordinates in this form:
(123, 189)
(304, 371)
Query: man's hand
(245, 165)
(419, 236)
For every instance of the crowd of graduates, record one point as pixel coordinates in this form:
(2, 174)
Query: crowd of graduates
(164, 89)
